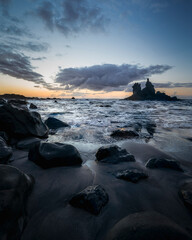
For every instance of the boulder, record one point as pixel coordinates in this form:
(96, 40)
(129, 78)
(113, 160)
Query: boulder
(32, 106)
(4, 136)
(92, 199)
(27, 143)
(113, 154)
(163, 163)
(15, 187)
(131, 175)
(145, 226)
(54, 123)
(48, 155)
(19, 122)
(185, 193)
(124, 134)
(5, 151)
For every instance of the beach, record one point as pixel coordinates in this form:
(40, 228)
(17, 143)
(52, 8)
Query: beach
(49, 214)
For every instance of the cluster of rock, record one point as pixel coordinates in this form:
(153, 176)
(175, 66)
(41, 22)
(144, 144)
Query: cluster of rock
(148, 93)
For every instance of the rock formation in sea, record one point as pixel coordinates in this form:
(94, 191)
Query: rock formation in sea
(148, 93)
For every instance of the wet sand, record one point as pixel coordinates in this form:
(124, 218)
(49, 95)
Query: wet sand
(51, 217)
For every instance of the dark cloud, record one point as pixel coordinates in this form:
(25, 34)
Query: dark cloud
(18, 65)
(74, 16)
(14, 29)
(107, 77)
(4, 5)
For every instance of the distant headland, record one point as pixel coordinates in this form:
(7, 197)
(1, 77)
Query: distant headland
(148, 93)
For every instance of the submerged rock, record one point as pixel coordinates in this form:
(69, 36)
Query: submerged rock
(163, 163)
(19, 122)
(5, 151)
(145, 226)
(186, 194)
(54, 123)
(92, 199)
(15, 187)
(124, 134)
(131, 175)
(48, 155)
(32, 106)
(113, 154)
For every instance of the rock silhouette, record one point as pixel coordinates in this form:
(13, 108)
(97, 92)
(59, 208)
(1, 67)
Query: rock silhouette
(148, 93)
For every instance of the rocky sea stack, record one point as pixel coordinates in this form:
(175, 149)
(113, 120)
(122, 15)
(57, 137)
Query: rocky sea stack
(148, 93)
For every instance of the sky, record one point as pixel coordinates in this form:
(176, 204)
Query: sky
(95, 49)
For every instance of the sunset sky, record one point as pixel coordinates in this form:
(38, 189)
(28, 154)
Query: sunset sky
(95, 49)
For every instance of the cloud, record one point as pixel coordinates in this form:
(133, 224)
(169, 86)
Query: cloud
(38, 58)
(4, 4)
(106, 77)
(173, 85)
(73, 17)
(14, 29)
(18, 65)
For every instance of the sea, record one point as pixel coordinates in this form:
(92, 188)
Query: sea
(93, 120)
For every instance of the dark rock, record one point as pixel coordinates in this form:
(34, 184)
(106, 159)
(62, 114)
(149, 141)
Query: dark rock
(185, 193)
(5, 151)
(32, 106)
(106, 105)
(148, 93)
(145, 226)
(2, 101)
(163, 163)
(151, 128)
(55, 101)
(15, 187)
(48, 155)
(18, 122)
(113, 154)
(73, 98)
(54, 123)
(131, 175)
(92, 199)
(124, 134)
(17, 102)
(4, 136)
(27, 143)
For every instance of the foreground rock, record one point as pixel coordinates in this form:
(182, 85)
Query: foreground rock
(54, 123)
(163, 163)
(124, 134)
(17, 102)
(145, 226)
(92, 199)
(113, 154)
(148, 93)
(186, 194)
(5, 151)
(32, 106)
(15, 186)
(18, 122)
(48, 155)
(131, 175)
(27, 143)
(4, 136)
